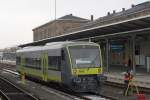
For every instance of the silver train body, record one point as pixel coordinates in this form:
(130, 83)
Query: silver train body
(77, 65)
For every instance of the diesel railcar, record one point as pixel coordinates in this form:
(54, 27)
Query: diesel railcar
(77, 65)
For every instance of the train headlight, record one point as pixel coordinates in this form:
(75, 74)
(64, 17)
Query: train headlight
(77, 80)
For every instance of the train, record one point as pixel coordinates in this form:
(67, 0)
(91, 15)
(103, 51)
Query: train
(76, 65)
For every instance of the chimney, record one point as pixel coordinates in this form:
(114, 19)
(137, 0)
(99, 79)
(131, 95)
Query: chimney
(92, 17)
(70, 14)
(108, 13)
(132, 5)
(123, 9)
(114, 11)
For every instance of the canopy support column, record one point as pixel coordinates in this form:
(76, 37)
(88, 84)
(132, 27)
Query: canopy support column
(133, 53)
(107, 55)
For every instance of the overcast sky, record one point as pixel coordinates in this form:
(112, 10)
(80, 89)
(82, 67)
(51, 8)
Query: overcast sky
(19, 17)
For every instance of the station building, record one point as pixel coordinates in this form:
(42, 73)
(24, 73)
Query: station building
(122, 36)
(57, 27)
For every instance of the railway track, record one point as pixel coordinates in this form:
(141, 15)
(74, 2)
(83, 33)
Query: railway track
(9, 91)
(90, 96)
(120, 85)
(69, 93)
(63, 91)
(93, 96)
(10, 68)
(7, 66)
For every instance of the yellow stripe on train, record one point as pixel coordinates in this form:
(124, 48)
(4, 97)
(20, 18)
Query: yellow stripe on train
(86, 71)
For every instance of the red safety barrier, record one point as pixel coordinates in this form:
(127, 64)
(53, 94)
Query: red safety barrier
(141, 96)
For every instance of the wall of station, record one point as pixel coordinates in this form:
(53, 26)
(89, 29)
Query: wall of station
(121, 52)
(145, 47)
(54, 29)
(143, 58)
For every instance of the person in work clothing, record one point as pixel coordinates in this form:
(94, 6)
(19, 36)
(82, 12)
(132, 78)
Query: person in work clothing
(127, 78)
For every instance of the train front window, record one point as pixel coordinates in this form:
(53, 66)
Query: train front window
(85, 56)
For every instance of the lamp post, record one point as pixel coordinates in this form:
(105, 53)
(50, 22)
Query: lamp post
(55, 9)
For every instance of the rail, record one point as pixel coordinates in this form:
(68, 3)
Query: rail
(11, 92)
(120, 85)
(107, 83)
(66, 92)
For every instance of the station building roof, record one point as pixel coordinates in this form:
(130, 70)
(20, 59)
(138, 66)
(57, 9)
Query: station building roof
(135, 20)
(69, 17)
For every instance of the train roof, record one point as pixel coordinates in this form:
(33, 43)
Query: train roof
(53, 45)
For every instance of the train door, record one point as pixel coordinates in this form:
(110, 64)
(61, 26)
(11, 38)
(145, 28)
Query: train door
(22, 64)
(65, 70)
(44, 61)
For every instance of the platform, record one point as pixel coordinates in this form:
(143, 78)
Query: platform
(140, 79)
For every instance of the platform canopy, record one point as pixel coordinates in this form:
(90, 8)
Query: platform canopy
(139, 25)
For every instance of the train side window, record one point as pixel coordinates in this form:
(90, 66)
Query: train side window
(33, 63)
(18, 60)
(54, 62)
(38, 62)
(62, 55)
